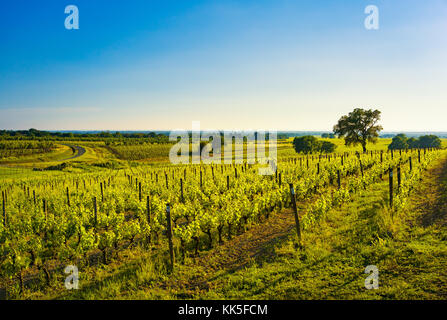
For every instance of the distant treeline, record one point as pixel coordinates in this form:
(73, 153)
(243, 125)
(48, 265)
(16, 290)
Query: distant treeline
(15, 148)
(401, 141)
(102, 136)
(152, 137)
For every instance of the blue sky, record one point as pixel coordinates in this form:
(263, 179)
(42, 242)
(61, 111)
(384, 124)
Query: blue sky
(159, 65)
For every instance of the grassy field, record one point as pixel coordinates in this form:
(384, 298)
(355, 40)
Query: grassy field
(151, 153)
(409, 249)
(264, 262)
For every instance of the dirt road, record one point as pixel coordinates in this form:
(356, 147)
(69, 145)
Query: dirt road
(80, 151)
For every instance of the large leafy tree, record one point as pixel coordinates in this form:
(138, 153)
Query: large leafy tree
(399, 142)
(306, 144)
(310, 144)
(429, 141)
(359, 127)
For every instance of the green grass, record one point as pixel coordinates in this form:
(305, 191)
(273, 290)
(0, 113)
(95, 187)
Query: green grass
(411, 259)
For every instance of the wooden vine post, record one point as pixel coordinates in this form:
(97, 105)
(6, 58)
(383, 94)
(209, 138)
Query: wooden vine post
(295, 212)
(44, 206)
(148, 212)
(201, 180)
(361, 167)
(4, 210)
(338, 179)
(181, 191)
(391, 186)
(411, 164)
(398, 179)
(169, 232)
(68, 197)
(139, 192)
(95, 209)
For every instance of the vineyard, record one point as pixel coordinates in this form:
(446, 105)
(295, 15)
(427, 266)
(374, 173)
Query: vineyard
(17, 148)
(49, 222)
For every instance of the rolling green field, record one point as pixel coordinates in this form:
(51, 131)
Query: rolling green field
(234, 232)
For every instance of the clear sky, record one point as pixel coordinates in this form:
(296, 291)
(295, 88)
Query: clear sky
(159, 65)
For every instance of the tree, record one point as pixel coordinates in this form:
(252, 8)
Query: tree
(359, 127)
(399, 142)
(306, 144)
(328, 135)
(413, 143)
(309, 144)
(327, 147)
(429, 141)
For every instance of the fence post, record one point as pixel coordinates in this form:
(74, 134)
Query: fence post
(169, 232)
(148, 209)
(181, 190)
(68, 197)
(361, 167)
(338, 179)
(44, 206)
(148, 212)
(95, 208)
(398, 179)
(4, 211)
(391, 186)
(295, 211)
(139, 192)
(201, 180)
(411, 164)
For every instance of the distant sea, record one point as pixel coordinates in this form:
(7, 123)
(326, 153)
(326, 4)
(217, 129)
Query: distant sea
(385, 134)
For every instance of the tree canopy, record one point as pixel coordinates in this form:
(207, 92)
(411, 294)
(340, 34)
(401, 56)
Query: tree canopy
(359, 127)
(310, 144)
(401, 141)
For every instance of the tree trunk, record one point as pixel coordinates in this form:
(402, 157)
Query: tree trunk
(364, 147)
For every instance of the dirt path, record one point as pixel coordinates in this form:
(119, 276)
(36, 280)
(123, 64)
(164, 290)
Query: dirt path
(430, 199)
(259, 241)
(80, 151)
